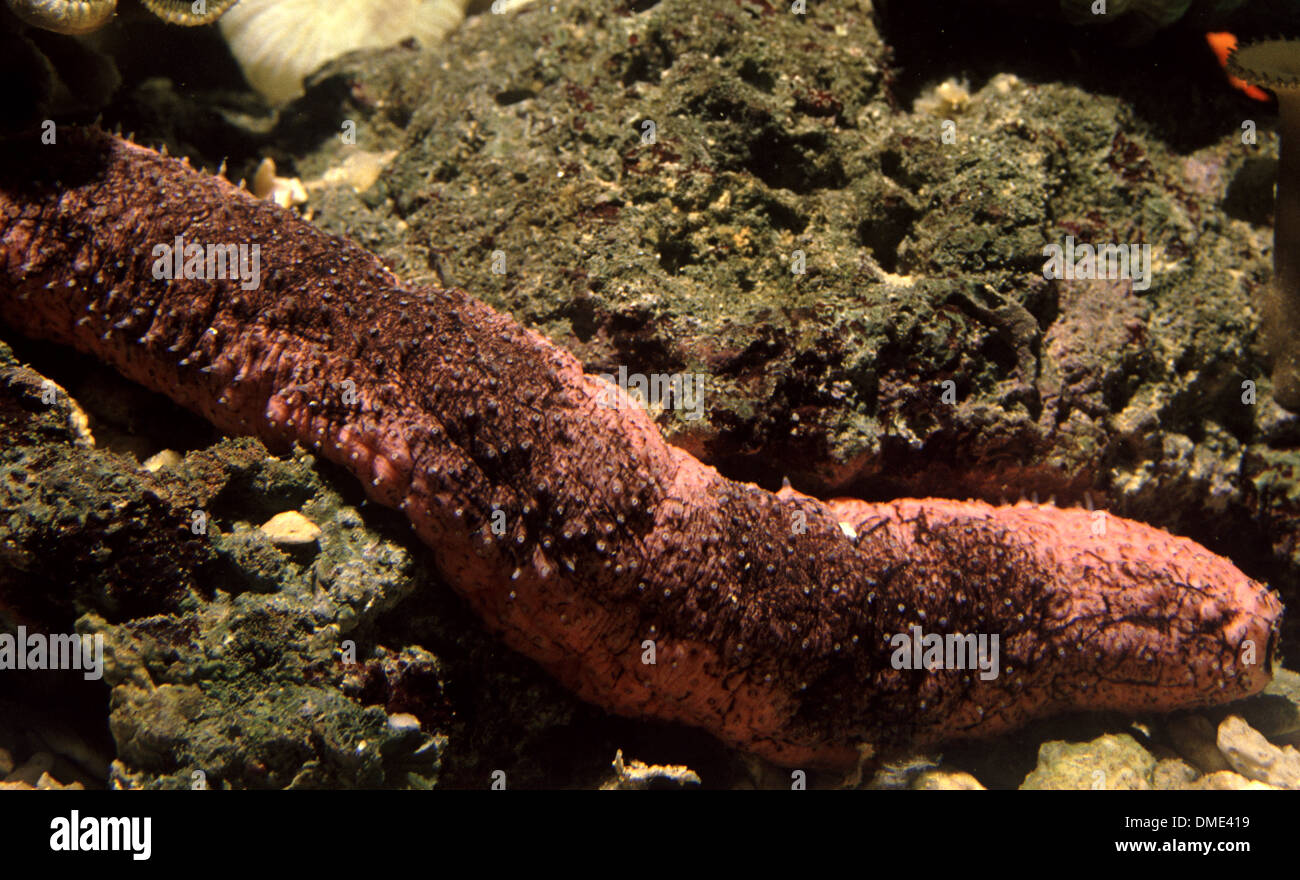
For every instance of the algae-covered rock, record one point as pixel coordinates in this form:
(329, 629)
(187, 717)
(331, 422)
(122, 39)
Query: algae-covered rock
(734, 192)
(245, 694)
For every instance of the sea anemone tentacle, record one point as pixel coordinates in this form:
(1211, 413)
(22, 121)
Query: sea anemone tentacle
(182, 11)
(1275, 65)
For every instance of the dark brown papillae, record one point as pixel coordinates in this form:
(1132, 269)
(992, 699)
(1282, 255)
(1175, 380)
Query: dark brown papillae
(771, 624)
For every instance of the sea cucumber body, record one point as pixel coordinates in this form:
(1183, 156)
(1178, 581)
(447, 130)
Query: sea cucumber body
(575, 531)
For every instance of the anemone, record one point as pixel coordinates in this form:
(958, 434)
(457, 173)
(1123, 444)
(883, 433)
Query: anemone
(1275, 65)
(278, 42)
(84, 16)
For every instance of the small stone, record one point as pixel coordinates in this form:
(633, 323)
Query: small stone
(1254, 757)
(291, 529)
(284, 191)
(403, 722)
(360, 170)
(947, 780)
(1226, 780)
(49, 783)
(1113, 762)
(167, 458)
(637, 775)
(948, 99)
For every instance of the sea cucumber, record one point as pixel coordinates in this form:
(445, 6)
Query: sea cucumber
(769, 617)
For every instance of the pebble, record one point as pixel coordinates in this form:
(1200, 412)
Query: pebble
(1226, 780)
(947, 780)
(1254, 757)
(284, 191)
(167, 458)
(403, 722)
(291, 529)
(637, 775)
(49, 783)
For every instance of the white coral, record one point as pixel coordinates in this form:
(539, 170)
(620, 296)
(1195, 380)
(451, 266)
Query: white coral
(278, 42)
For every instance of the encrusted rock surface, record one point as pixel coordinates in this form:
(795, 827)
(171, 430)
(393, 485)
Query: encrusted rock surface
(923, 266)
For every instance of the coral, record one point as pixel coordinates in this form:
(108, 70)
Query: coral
(278, 42)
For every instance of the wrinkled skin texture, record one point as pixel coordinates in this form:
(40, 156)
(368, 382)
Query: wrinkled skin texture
(770, 623)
